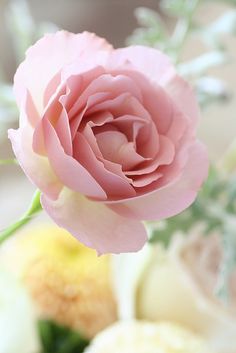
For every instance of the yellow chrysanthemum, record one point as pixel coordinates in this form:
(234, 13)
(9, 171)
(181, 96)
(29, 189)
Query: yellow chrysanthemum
(68, 281)
(144, 337)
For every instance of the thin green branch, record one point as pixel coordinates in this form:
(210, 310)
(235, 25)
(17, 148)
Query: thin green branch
(35, 208)
(8, 161)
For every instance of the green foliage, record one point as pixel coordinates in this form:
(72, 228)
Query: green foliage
(215, 209)
(152, 29)
(179, 8)
(153, 32)
(60, 339)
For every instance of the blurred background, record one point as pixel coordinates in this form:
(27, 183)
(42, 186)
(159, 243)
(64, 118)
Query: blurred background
(114, 20)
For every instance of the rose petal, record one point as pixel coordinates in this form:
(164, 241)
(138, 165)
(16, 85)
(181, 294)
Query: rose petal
(178, 127)
(69, 171)
(156, 101)
(51, 88)
(115, 147)
(47, 57)
(148, 141)
(146, 179)
(62, 129)
(92, 100)
(31, 115)
(115, 86)
(114, 185)
(151, 62)
(123, 104)
(184, 97)
(110, 166)
(170, 199)
(77, 84)
(37, 168)
(129, 125)
(165, 156)
(94, 224)
(52, 113)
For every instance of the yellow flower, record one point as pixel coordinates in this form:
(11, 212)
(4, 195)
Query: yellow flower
(144, 337)
(68, 281)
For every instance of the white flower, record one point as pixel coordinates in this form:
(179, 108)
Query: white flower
(17, 324)
(144, 337)
(178, 285)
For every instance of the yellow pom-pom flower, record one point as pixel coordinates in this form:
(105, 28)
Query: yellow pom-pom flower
(68, 281)
(144, 337)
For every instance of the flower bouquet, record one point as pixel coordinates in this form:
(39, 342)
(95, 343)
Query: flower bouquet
(139, 254)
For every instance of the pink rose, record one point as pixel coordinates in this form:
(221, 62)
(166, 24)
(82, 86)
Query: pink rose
(108, 136)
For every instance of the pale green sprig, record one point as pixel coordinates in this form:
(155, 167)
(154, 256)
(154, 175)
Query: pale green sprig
(8, 161)
(34, 208)
(153, 32)
(214, 209)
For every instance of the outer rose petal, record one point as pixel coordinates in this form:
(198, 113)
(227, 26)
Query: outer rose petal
(48, 56)
(94, 224)
(173, 198)
(151, 62)
(37, 168)
(183, 96)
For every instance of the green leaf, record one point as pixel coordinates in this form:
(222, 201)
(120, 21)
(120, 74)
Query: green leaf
(55, 338)
(147, 17)
(152, 32)
(178, 8)
(164, 231)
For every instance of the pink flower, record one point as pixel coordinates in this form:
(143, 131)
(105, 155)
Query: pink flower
(108, 136)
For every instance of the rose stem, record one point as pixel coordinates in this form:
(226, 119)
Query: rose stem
(35, 208)
(8, 161)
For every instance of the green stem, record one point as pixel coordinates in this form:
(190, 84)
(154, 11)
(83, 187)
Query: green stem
(35, 207)
(8, 161)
